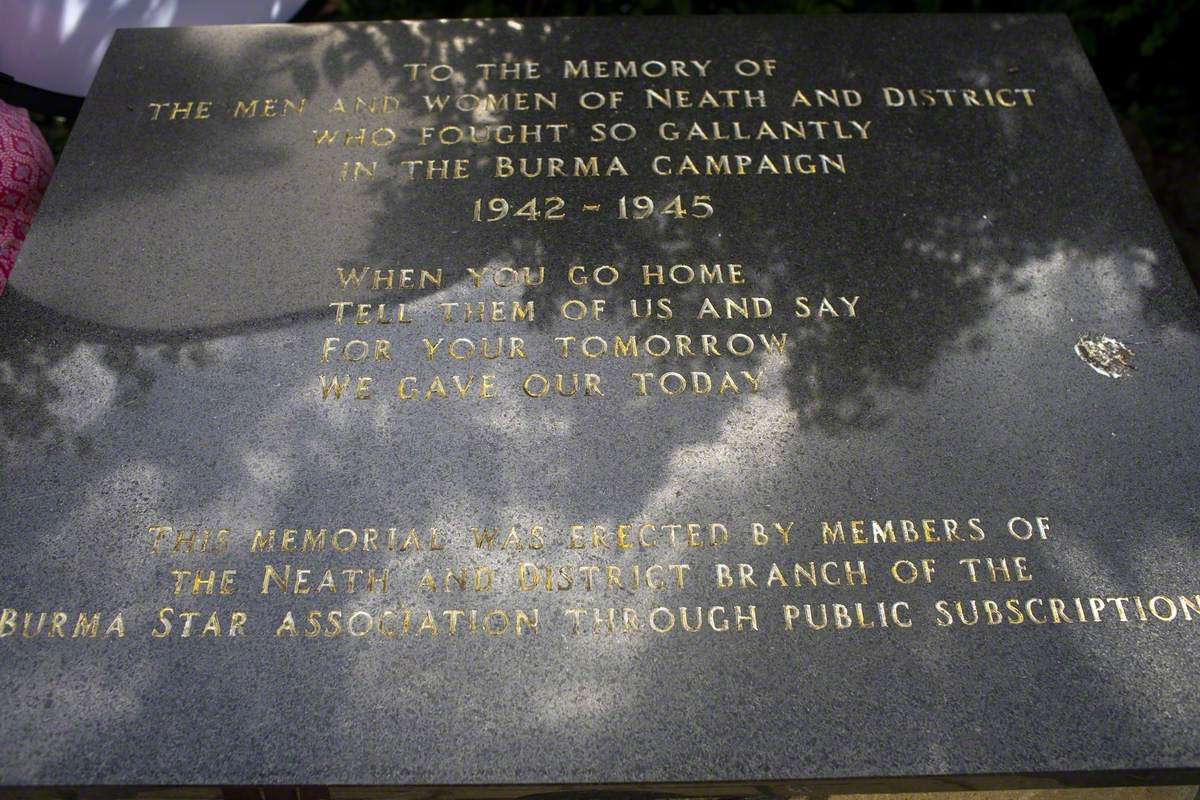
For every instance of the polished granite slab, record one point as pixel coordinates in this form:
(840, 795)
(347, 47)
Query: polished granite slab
(942, 535)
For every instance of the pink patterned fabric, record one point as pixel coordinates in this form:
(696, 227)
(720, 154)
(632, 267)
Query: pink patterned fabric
(25, 167)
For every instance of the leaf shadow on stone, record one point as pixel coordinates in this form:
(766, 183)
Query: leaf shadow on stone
(929, 268)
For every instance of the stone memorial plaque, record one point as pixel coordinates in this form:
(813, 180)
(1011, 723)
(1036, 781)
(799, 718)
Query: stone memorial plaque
(734, 404)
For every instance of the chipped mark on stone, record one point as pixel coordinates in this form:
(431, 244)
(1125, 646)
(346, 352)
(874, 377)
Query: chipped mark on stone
(1106, 355)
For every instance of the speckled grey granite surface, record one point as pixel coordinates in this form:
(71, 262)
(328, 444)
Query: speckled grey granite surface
(159, 354)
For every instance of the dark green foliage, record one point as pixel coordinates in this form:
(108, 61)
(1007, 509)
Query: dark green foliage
(54, 129)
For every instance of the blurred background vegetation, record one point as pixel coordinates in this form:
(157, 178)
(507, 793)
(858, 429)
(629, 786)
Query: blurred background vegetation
(1140, 50)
